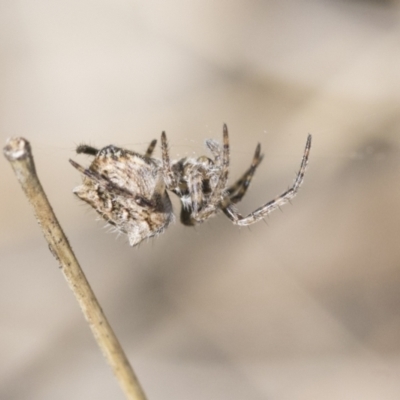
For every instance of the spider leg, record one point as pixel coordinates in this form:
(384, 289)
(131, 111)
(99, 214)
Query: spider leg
(110, 186)
(186, 217)
(285, 197)
(211, 207)
(236, 191)
(216, 195)
(150, 149)
(86, 149)
(225, 167)
(169, 176)
(195, 186)
(193, 201)
(215, 149)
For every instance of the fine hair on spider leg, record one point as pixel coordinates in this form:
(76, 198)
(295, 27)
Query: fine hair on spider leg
(130, 190)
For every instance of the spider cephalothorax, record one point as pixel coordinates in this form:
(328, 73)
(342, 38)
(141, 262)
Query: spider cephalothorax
(129, 190)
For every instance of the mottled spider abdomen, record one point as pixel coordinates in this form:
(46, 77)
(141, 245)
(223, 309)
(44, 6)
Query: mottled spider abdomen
(128, 191)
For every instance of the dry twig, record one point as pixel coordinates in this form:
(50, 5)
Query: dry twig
(18, 153)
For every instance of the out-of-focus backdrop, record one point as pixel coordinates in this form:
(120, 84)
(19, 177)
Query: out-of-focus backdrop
(305, 307)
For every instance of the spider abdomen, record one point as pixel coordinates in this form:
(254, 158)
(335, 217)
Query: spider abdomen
(128, 192)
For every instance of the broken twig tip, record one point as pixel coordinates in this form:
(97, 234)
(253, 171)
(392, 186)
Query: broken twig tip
(17, 149)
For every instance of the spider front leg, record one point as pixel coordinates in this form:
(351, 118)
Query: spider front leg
(285, 197)
(168, 173)
(239, 188)
(194, 200)
(150, 149)
(217, 195)
(236, 191)
(197, 185)
(215, 150)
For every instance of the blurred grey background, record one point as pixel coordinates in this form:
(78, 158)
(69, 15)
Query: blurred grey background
(306, 307)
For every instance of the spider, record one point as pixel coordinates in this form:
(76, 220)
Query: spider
(129, 190)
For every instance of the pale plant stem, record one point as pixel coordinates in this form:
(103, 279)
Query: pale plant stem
(18, 153)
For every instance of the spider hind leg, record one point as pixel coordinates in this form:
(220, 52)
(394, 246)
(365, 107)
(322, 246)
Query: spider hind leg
(268, 207)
